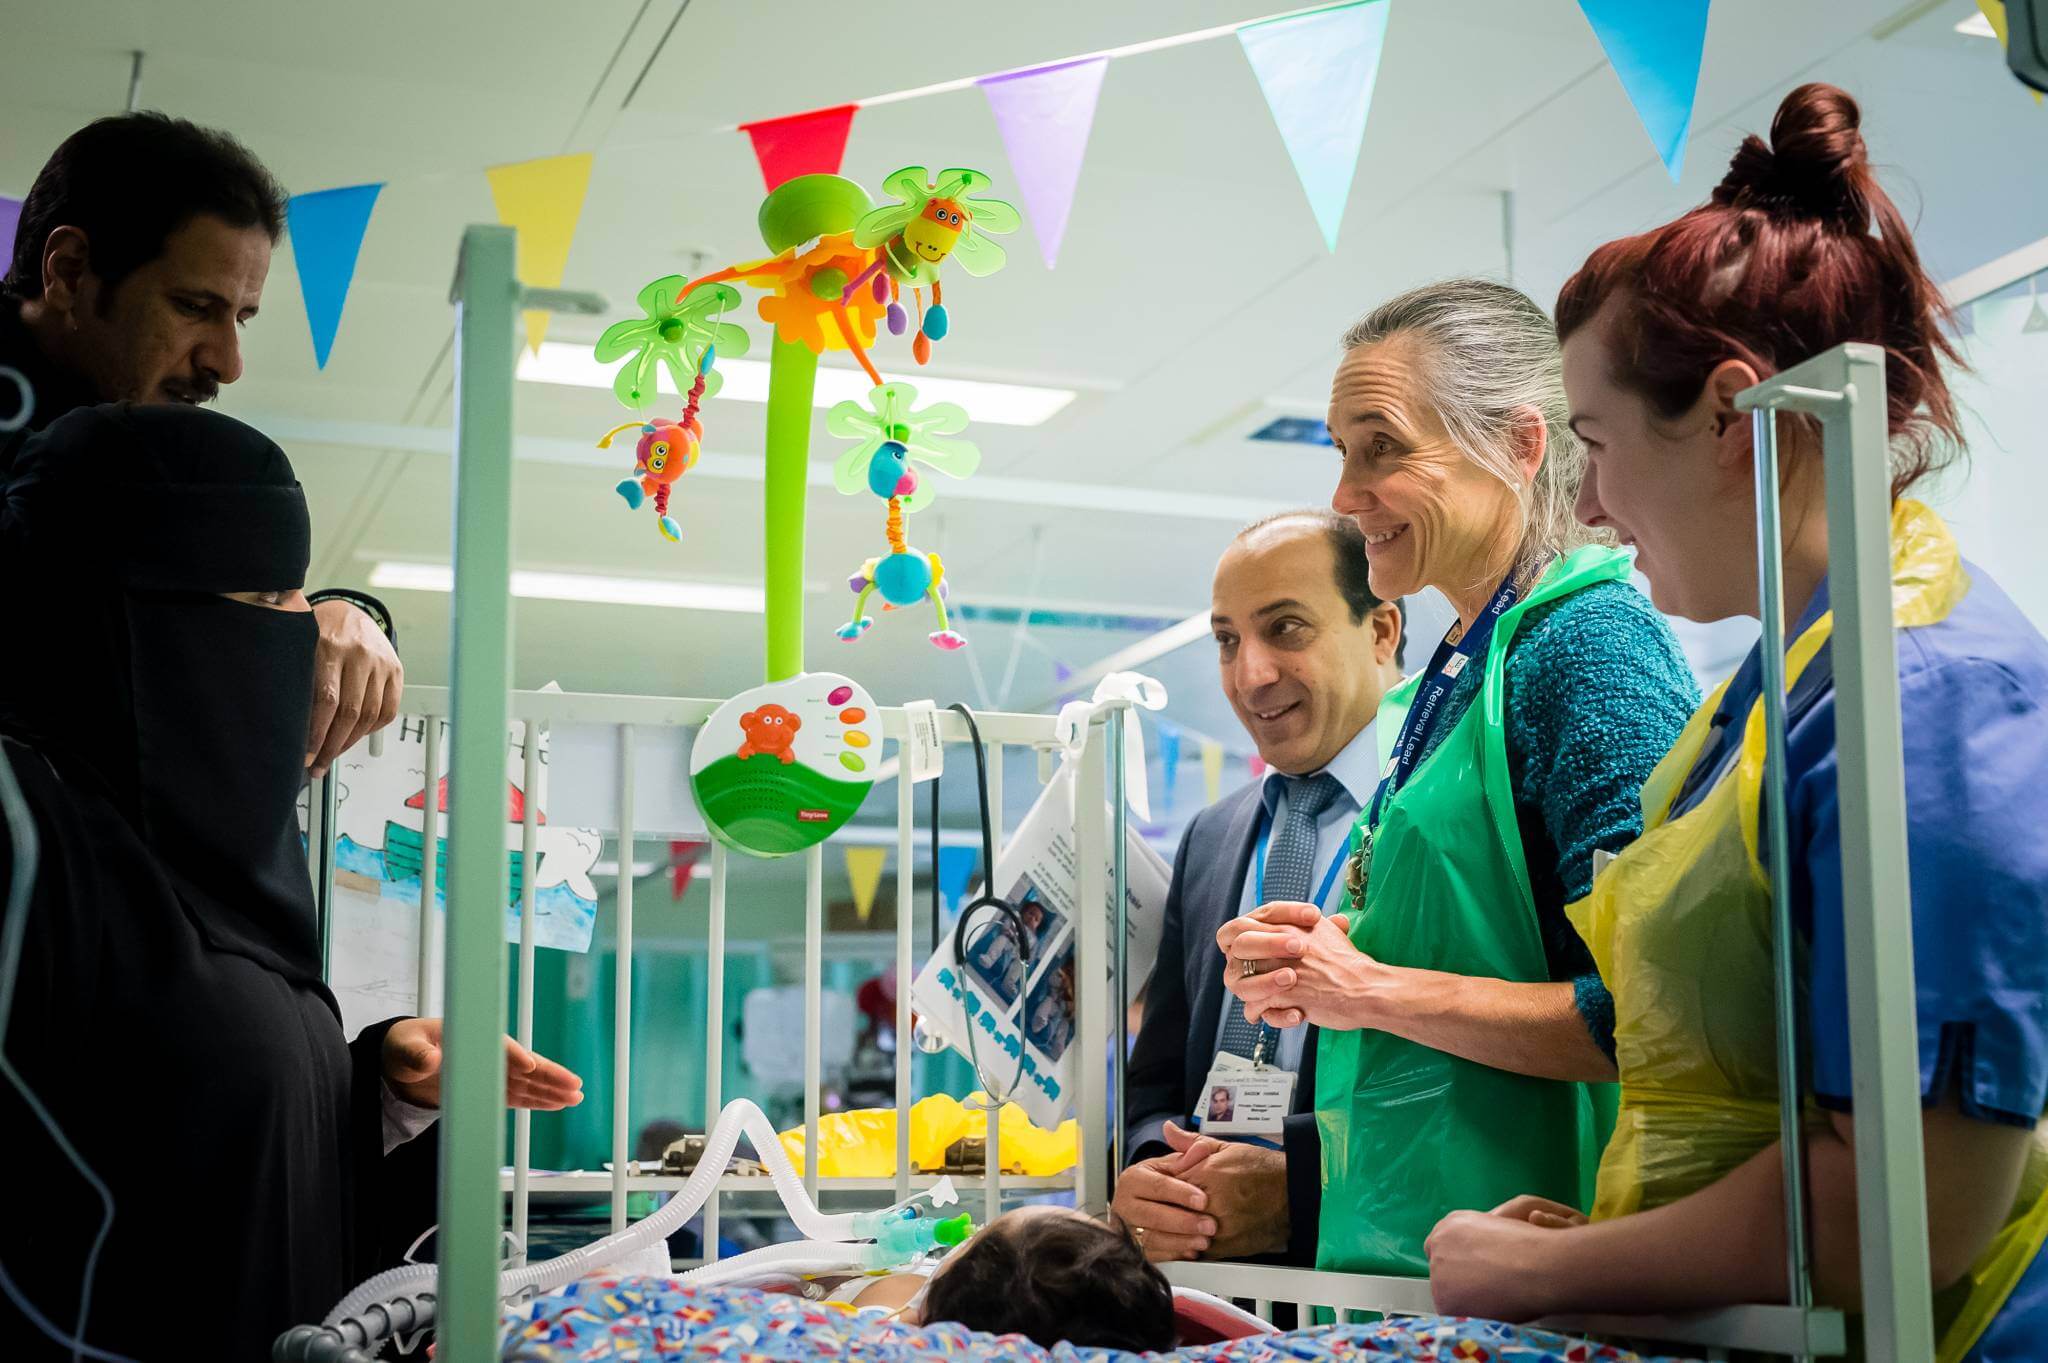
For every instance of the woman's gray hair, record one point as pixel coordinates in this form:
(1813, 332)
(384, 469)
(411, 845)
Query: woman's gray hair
(1489, 351)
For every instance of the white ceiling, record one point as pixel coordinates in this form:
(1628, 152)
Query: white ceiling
(1193, 298)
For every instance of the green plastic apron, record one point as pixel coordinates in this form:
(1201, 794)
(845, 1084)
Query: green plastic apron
(1410, 1133)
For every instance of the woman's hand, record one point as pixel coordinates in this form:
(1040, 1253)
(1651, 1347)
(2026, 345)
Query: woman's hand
(1308, 971)
(1498, 1264)
(412, 1066)
(1541, 1212)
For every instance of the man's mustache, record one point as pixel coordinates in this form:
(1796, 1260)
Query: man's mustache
(195, 391)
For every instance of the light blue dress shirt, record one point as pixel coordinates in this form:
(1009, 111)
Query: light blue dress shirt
(1357, 769)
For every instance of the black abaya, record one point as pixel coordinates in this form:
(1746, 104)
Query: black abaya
(169, 1010)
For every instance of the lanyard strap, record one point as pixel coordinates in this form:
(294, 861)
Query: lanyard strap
(1259, 870)
(1264, 1041)
(1446, 665)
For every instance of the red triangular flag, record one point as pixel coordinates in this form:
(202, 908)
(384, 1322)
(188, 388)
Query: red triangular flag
(515, 803)
(682, 866)
(800, 144)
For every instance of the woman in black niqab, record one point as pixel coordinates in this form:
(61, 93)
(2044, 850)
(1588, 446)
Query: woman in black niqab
(169, 1009)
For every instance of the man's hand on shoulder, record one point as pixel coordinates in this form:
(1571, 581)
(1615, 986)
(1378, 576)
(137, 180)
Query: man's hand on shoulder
(357, 683)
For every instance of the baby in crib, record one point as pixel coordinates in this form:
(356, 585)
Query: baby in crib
(1048, 1273)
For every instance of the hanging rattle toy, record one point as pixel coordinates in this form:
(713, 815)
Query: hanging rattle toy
(930, 224)
(665, 452)
(893, 438)
(683, 330)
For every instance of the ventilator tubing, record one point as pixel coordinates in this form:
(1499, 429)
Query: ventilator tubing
(798, 1258)
(739, 1117)
(901, 1237)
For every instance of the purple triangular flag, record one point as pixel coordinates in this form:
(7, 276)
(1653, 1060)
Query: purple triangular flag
(1044, 115)
(10, 221)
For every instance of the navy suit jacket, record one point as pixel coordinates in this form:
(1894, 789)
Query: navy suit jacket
(1184, 1008)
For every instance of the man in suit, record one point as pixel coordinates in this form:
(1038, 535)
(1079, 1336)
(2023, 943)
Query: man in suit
(1305, 652)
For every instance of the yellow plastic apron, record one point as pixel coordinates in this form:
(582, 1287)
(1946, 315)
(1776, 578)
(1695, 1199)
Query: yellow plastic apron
(1680, 928)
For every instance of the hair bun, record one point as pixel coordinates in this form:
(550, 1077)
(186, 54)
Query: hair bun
(1816, 165)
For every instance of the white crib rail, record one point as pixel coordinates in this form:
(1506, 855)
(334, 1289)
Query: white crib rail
(1765, 1329)
(541, 711)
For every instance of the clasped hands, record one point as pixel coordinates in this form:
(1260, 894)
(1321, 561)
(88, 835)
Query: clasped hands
(1289, 965)
(1208, 1199)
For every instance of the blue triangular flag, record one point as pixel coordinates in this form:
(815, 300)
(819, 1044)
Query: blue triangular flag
(1169, 761)
(1316, 71)
(327, 232)
(1655, 49)
(956, 868)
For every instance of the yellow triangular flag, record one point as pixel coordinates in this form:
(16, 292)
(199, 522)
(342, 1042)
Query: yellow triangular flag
(864, 873)
(1212, 769)
(1994, 14)
(542, 201)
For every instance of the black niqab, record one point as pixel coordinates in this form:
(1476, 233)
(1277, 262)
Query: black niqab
(124, 525)
(169, 1009)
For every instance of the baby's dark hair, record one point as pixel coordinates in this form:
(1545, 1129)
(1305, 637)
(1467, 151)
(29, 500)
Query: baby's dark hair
(1054, 1278)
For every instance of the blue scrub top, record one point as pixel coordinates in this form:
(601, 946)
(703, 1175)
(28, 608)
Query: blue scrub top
(1973, 689)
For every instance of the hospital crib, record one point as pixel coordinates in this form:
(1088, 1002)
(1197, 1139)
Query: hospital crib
(1005, 738)
(1842, 390)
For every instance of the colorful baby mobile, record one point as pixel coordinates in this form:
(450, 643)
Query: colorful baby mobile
(831, 291)
(916, 235)
(683, 331)
(894, 438)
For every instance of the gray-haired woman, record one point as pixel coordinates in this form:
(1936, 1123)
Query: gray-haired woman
(1464, 1034)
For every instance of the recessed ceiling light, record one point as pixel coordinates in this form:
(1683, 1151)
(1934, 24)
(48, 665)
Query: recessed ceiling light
(617, 591)
(1977, 25)
(993, 404)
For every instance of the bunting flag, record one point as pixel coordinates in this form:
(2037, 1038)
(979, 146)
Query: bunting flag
(1655, 50)
(1169, 762)
(956, 868)
(541, 200)
(864, 874)
(812, 143)
(1257, 764)
(1994, 14)
(10, 222)
(327, 233)
(682, 866)
(1212, 770)
(1317, 72)
(1044, 115)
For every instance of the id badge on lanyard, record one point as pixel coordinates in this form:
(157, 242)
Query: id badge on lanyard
(1245, 1097)
(1253, 1097)
(1446, 665)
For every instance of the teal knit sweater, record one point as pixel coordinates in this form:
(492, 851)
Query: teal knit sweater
(1597, 692)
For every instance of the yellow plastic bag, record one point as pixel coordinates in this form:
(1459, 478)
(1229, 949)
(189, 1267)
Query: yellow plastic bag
(862, 1143)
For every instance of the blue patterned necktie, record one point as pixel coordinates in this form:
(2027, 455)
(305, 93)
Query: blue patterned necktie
(1290, 866)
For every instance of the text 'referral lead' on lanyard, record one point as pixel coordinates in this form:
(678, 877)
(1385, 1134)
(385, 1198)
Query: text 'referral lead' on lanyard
(1446, 665)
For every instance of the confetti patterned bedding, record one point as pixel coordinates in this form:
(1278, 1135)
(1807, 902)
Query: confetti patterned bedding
(600, 1320)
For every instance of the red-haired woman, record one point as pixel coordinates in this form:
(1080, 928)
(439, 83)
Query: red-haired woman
(1798, 251)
